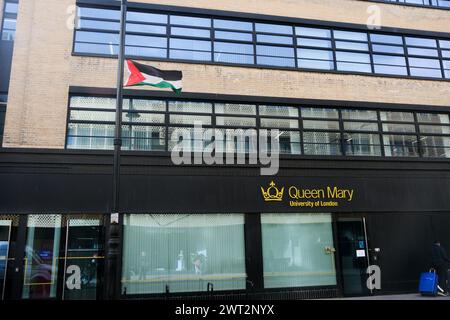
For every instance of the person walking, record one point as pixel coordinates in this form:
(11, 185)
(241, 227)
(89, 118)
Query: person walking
(439, 261)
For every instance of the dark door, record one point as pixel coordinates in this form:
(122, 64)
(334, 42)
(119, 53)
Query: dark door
(353, 252)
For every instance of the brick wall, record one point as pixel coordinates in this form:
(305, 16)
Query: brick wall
(43, 67)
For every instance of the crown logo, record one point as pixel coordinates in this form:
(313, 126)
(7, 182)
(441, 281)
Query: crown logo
(272, 193)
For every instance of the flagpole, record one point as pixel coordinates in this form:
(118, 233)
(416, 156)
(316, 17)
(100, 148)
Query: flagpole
(114, 232)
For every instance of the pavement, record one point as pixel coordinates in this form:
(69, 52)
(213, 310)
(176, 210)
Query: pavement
(412, 296)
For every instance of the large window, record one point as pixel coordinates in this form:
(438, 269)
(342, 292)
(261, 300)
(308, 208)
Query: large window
(222, 40)
(160, 125)
(295, 250)
(183, 253)
(8, 30)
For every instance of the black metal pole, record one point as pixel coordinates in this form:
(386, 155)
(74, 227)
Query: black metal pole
(112, 272)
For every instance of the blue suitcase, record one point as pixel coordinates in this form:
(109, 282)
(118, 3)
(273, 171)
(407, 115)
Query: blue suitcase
(428, 285)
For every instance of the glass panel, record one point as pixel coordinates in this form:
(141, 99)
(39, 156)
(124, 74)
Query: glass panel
(102, 25)
(187, 139)
(148, 105)
(420, 42)
(184, 252)
(233, 25)
(143, 117)
(388, 49)
(313, 32)
(84, 255)
(234, 48)
(433, 129)
(95, 102)
(273, 28)
(146, 17)
(289, 142)
(357, 46)
(294, 250)
(190, 119)
(190, 106)
(233, 108)
(321, 124)
(350, 35)
(11, 7)
(360, 126)
(98, 13)
(322, 143)
(236, 121)
(362, 144)
(319, 113)
(92, 115)
(421, 72)
(190, 21)
(395, 127)
(6, 243)
(274, 39)
(279, 123)
(144, 138)
(400, 146)
(41, 256)
(190, 32)
(141, 41)
(278, 111)
(437, 118)
(396, 116)
(190, 55)
(350, 114)
(197, 45)
(383, 38)
(423, 52)
(436, 147)
(146, 28)
(241, 36)
(313, 43)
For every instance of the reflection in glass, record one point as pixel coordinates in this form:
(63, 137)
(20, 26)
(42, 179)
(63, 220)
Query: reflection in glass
(294, 250)
(84, 254)
(362, 144)
(41, 256)
(184, 252)
(322, 143)
(400, 146)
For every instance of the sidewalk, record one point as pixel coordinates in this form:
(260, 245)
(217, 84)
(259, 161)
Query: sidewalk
(411, 296)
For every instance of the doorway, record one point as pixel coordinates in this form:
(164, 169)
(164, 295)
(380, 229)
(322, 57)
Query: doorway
(353, 254)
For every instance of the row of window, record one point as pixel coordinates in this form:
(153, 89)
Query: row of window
(9, 20)
(181, 252)
(155, 125)
(186, 252)
(170, 36)
(427, 3)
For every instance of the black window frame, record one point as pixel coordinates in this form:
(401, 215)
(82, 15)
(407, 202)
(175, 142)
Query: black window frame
(290, 22)
(340, 130)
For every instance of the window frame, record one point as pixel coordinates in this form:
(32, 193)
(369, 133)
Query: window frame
(291, 62)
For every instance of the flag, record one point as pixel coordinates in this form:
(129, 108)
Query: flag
(143, 75)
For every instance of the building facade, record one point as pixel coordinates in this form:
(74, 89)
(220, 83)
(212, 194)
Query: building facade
(363, 114)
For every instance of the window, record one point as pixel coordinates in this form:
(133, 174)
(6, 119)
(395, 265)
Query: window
(184, 252)
(361, 137)
(233, 127)
(8, 30)
(294, 250)
(245, 42)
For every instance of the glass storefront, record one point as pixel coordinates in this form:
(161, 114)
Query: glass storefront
(66, 249)
(183, 253)
(297, 250)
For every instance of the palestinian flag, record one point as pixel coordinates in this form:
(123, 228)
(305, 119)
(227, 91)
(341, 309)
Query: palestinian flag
(142, 75)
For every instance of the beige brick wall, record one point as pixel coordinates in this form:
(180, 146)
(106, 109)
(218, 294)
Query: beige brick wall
(43, 69)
